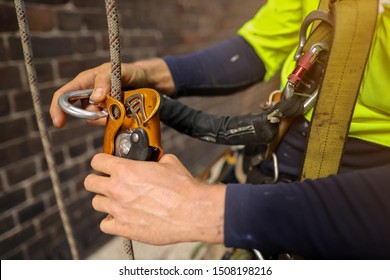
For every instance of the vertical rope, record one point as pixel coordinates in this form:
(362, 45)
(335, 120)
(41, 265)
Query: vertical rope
(115, 53)
(32, 79)
(116, 78)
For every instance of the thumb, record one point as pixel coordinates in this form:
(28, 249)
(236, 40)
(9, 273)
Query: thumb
(98, 95)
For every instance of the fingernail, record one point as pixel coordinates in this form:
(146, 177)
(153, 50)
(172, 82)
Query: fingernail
(97, 93)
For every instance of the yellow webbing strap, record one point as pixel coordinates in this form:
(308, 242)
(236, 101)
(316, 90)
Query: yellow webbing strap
(354, 25)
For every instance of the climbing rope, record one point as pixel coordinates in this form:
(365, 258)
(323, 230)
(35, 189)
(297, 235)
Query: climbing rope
(116, 92)
(116, 78)
(32, 80)
(115, 49)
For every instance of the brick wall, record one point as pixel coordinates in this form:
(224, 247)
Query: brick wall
(69, 36)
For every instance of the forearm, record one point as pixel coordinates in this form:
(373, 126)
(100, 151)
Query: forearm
(223, 68)
(339, 217)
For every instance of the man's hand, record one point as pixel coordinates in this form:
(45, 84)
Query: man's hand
(155, 202)
(97, 78)
(153, 73)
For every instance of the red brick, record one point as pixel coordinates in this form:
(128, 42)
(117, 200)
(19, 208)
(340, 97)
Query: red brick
(8, 20)
(9, 77)
(40, 18)
(69, 20)
(18, 151)
(95, 21)
(11, 199)
(21, 172)
(77, 150)
(6, 224)
(3, 50)
(49, 2)
(85, 44)
(44, 72)
(51, 47)
(15, 50)
(14, 128)
(4, 105)
(88, 3)
(31, 211)
(10, 243)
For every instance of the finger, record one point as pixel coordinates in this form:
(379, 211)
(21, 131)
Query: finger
(109, 225)
(102, 86)
(169, 159)
(98, 95)
(106, 164)
(98, 122)
(97, 184)
(57, 115)
(101, 204)
(83, 81)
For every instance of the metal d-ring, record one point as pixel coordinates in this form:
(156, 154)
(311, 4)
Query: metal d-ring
(64, 103)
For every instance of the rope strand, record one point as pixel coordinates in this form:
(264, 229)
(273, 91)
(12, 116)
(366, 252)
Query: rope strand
(116, 78)
(32, 80)
(115, 53)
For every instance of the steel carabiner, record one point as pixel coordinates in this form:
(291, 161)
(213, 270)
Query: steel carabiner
(65, 103)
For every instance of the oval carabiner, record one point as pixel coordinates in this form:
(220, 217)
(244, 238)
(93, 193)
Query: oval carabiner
(309, 19)
(66, 98)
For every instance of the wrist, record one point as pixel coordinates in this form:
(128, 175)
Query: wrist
(206, 214)
(157, 75)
